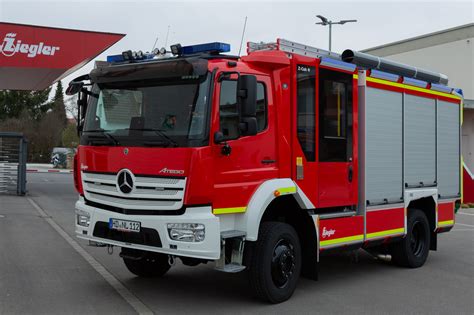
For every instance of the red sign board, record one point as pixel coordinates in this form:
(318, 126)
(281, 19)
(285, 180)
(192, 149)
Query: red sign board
(34, 57)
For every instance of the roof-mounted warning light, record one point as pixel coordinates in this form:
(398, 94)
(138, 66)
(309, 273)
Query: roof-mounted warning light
(177, 50)
(212, 48)
(129, 55)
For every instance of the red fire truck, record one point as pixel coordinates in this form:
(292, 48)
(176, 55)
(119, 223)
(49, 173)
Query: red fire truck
(265, 162)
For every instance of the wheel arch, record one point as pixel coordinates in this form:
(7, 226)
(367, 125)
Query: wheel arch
(425, 200)
(428, 206)
(290, 205)
(271, 193)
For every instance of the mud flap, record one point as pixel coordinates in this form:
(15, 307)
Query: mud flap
(434, 241)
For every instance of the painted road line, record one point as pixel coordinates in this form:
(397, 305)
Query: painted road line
(465, 213)
(116, 284)
(48, 171)
(462, 224)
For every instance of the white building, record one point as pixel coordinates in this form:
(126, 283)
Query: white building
(451, 52)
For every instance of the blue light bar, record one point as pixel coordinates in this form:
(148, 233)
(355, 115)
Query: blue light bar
(215, 47)
(115, 58)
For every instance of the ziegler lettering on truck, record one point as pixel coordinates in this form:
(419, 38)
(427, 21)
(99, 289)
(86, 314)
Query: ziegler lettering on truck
(10, 46)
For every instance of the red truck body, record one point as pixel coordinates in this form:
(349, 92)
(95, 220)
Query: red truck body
(282, 173)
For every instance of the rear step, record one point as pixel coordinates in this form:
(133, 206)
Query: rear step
(236, 239)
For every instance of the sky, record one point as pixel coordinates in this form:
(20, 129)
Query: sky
(192, 22)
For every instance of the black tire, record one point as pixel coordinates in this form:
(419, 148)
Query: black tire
(150, 265)
(275, 265)
(412, 251)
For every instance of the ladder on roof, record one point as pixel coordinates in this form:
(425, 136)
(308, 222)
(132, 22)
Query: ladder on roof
(293, 48)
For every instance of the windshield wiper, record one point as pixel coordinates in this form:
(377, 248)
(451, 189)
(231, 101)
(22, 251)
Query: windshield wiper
(107, 135)
(158, 132)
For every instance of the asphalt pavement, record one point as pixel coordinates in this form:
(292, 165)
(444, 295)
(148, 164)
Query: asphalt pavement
(44, 269)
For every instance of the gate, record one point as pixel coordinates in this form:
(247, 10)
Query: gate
(13, 154)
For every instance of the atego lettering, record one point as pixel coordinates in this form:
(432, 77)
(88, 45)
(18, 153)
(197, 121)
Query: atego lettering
(11, 45)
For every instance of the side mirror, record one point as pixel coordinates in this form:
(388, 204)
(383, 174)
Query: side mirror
(81, 111)
(247, 100)
(74, 87)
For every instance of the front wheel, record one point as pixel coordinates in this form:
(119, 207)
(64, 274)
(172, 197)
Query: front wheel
(276, 262)
(412, 251)
(148, 265)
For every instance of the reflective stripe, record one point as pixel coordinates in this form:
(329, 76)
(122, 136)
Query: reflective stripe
(409, 87)
(229, 210)
(342, 240)
(386, 232)
(444, 223)
(287, 190)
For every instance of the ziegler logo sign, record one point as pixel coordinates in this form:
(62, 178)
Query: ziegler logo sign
(10, 46)
(328, 233)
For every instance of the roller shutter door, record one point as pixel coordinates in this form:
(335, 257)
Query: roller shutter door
(420, 141)
(384, 146)
(448, 149)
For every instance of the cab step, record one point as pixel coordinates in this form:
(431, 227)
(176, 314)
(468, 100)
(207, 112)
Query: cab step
(231, 259)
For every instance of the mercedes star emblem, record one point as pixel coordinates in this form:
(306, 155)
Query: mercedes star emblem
(125, 181)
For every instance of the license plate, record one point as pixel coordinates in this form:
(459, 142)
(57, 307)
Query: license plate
(124, 225)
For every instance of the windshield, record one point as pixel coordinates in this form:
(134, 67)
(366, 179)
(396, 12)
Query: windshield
(149, 113)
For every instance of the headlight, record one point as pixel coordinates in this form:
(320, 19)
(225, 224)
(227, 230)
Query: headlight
(187, 232)
(83, 218)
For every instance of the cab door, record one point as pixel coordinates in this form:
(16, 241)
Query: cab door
(249, 160)
(337, 137)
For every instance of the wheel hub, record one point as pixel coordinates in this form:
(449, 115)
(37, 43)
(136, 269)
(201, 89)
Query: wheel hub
(283, 263)
(417, 241)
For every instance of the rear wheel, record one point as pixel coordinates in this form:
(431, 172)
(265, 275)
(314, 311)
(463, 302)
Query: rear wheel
(146, 264)
(275, 262)
(412, 251)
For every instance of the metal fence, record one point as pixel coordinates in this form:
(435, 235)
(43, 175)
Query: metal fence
(13, 154)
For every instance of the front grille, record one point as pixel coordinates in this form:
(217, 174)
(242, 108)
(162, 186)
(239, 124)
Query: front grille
(147, 236)
(149, 192)
(180, 211)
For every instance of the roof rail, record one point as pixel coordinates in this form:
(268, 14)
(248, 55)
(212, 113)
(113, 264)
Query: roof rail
(292, 47)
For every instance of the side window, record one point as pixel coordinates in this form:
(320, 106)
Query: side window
(335, 116)
(261, 107)
(306, 120)
(229, 114)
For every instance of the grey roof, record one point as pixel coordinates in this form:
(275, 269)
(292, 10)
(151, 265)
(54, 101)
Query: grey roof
(432, 39)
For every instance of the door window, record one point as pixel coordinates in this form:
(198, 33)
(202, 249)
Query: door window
(228, 111)
(335, 116)
(306, 117)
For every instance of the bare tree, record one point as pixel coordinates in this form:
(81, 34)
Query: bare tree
(71, 106)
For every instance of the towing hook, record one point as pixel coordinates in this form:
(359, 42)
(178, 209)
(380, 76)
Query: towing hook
(171, 260)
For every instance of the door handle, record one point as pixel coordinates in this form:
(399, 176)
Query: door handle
(349, 175)
(268, 161)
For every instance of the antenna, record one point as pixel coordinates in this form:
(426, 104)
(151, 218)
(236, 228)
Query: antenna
(167, 34)
(156, 41)
(243, 33)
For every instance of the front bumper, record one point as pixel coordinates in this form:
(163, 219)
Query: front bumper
(207, 249)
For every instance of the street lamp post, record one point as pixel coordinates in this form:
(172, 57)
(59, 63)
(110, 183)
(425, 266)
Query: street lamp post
(325, 21)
